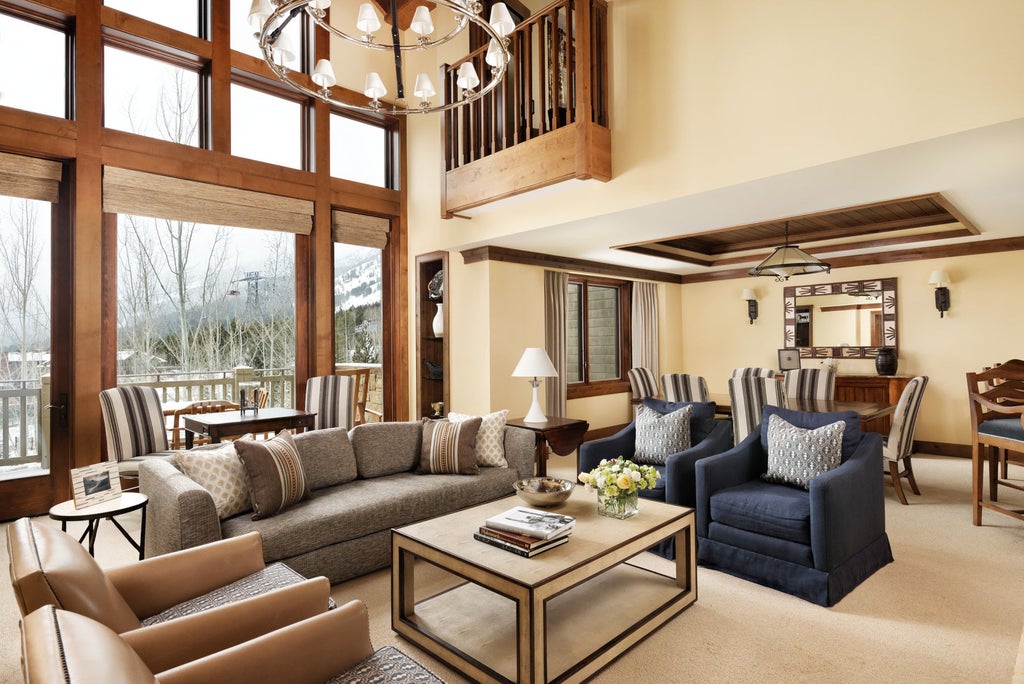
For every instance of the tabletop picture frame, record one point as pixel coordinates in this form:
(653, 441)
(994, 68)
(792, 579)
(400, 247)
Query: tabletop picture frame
(789, 359)
(95, 484)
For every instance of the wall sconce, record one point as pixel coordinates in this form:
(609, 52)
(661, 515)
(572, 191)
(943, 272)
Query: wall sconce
(940, 279)
(751, 304)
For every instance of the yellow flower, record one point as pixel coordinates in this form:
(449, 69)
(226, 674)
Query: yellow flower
(624, 481)
(585, 478)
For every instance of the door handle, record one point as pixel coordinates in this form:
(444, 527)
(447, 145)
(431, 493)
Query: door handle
(61, 409)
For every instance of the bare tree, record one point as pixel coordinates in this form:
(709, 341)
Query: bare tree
(23, 309)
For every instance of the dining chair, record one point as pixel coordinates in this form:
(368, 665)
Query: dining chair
(332, 399)
(684, 387)
(748, 395)
(997, 415)
(361, 392)
(1003, 454)
(753, 372)
(196, 407)
(810, 383)
(133, 420)
(899, 445)
(642, 383)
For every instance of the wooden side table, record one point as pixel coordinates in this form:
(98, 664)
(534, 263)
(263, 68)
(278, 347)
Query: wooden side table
(561, 435)
(128, 502)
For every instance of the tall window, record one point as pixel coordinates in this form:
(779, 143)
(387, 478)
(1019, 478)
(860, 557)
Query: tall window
(150, 97)
(181, 15)
(359, 151)
(597, 314)
(265, 127)
(34, 76)
(358, 335)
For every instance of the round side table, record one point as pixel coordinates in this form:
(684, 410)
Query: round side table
(128, 502)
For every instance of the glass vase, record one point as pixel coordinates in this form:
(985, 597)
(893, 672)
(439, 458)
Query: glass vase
(623, 506)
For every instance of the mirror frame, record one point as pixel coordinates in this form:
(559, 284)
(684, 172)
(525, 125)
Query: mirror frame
(886, 286)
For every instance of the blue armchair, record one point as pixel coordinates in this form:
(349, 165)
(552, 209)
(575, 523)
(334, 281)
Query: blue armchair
(708, 436)
(817, 544)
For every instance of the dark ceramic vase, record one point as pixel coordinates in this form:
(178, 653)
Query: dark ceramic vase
(886, 361)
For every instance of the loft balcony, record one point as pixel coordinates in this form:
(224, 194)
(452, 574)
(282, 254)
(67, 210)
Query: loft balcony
(545, 123)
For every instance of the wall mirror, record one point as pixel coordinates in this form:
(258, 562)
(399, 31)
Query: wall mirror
(842, 320)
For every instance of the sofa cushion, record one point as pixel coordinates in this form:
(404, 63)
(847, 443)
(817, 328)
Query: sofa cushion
(796, 456)
(808, 421)
(386, 448)
(702, 420)
(327, 457)
(274, 474)
(764, 508)
(449, 448)
(490, 440)
(659, 435)
(220, 472)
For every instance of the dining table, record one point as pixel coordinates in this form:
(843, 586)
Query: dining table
(867, 410)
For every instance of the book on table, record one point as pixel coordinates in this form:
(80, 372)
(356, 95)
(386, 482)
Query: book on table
(520, 540)
(532, 523)
(519, 550)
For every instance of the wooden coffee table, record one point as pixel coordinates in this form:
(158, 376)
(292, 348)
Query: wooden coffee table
(559, 616)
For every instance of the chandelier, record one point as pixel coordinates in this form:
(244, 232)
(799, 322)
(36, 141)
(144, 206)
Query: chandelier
(789, 260)
(270, 17)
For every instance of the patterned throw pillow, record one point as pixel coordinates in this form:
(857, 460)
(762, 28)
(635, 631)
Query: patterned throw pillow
(274, 474)
(658, 435)
(218, 471)
(796, 456)
(449, 448)
(490, 440)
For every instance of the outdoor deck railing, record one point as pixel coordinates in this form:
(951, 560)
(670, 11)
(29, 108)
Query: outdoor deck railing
(21, 406)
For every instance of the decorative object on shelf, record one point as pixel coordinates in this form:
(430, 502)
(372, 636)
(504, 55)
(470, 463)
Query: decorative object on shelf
(940, 279)
(789, 260)
(435, 288)
(830, 364)
(248, 399)
(544, 491)
(438, 407)
(435, 371)
(535, 364)
(751, 298)
(438, 323)
(618, 484)
(270, 17)
(886, 361)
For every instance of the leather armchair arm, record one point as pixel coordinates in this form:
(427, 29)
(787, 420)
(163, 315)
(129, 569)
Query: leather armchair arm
(742, 463)
(848, 506)
(307, 652)
(680, 473)
(156, 584)
(622, 443)
(188, 638)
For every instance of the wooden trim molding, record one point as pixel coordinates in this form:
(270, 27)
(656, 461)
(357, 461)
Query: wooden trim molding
(518, 256)
(942, 449)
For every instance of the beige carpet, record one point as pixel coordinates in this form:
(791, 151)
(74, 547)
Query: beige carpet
(949, 609)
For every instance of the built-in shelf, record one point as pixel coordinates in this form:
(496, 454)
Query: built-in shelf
(431, 349)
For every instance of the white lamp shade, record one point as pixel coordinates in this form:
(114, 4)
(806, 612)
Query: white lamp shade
(535, 363)
(367, 20)
(283, 50)
(258, 13)
(501, 20)
(467, 76)
(748, 295)
(424, 88)
(938, 279)
(374, 87)
(421, 22)
(495, 55)
(323, 74)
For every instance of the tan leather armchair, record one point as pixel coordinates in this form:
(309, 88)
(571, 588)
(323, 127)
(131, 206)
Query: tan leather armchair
(66, 648)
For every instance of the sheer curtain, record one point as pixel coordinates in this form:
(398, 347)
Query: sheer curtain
(556, 285)
(645, 327)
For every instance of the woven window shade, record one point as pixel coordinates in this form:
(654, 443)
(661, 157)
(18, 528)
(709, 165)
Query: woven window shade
(359, 229)
(29, 178)
(175, 199)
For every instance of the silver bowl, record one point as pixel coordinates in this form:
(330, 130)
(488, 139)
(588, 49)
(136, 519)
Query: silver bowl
(544, 491)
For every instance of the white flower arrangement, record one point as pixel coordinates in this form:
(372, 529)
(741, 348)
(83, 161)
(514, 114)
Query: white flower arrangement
(830, 364)
(612, 478)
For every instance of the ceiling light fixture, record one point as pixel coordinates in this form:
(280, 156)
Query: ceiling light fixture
(270, 17)
(789, 260)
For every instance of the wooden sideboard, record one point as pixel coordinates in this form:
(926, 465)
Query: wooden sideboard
(877, 388)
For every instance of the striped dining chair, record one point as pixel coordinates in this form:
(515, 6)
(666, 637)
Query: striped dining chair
(133, 420)
(642, 383)
(810, 383)
(684, 387)
(899, 445)
(748, 395)
(753, 372)
(331, 398)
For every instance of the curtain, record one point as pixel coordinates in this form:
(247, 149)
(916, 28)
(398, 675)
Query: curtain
(359, 229)
(556, 284)
(645, 326)
(29, 178)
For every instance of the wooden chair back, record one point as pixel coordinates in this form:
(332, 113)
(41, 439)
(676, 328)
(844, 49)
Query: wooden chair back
(196, 407)
(997, 392)
(360, 391)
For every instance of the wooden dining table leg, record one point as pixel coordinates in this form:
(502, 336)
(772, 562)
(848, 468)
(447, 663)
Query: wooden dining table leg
(976, 482)
(993, 473)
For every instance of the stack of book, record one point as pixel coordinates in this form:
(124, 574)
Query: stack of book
(526, 531)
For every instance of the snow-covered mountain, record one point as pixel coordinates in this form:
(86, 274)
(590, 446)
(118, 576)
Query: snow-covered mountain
(358, 282)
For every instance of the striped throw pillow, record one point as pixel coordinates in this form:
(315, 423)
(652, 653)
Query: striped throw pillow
(449, 448)
(274, 474)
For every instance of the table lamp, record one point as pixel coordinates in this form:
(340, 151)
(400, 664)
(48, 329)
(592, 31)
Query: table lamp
(535, 364)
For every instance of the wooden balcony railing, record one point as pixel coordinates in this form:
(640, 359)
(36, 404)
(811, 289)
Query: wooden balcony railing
(548, 119)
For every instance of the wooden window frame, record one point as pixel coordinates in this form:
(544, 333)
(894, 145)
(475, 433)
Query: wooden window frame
(586, 387)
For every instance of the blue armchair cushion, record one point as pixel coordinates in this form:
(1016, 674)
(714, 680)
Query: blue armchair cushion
(659, 435)
(1007, 428)
(702, 420)
(796, 456)
(809, 421)
(764, 508)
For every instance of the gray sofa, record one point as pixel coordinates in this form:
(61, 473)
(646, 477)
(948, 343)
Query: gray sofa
(362, 483)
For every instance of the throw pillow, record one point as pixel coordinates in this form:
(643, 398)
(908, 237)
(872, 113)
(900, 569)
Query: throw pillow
(274, 474)
(659, 435)
(796, 456)
(449, 447)
(217, 470)
(490, 440)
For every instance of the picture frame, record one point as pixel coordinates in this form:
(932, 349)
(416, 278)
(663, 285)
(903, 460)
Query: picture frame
(789, 359)
(95, 484)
